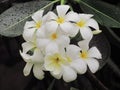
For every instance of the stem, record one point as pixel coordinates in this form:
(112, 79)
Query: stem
(95, 81)
(62, 2)
(51, 85)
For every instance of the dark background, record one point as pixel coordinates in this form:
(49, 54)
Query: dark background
(11, 64)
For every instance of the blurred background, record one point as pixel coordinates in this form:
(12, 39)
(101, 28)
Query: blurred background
(11, 63)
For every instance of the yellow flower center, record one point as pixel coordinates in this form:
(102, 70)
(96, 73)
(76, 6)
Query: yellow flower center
(54, 36)
(60, 20)
(38, 25)
(81, 23)
(84, 54)
(56, 60)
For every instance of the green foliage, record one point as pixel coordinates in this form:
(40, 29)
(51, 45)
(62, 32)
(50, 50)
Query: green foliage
(12, 20)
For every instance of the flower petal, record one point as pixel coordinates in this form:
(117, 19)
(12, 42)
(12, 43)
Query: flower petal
(79, 65)
(92, 23)
(62, 10)
(37, 71)
(63, 41)
(27, 69)
(86, 33)
(72, 51)
(29, 34)
(68, 29)
(52, 48)
(37, 57)
(84, 44)
(57, 76)
(95, 53)
(69, 74)
(85, 17)
(93, 65)
(29, 24)
(72, 16)
(51, 26)
(37, 16)
(25, 57)
(40, 33)
(51, 16)
(27, 46)
(42, 43)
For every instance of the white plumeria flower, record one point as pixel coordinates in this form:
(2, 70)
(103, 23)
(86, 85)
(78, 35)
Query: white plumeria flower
(63, 20)
(58, 65)
(64, 63)
(83, 23)
(34, 60)
(89, 56)
(29, 33)
(44, 38)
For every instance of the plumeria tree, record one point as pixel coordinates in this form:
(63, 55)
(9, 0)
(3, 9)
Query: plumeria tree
(60, 42)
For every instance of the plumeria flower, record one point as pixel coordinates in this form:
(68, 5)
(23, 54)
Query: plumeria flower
(89, 55)
(30, 28)
(44, 38)
(64, 63)
(84, 23)
(33, 58)
(63, 20)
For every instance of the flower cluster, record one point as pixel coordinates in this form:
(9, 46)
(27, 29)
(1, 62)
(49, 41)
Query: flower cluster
(48, 44)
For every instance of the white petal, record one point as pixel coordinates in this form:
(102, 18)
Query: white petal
(84, 44)
(41, 32)
(37, 16)
(51, 26)
(72, 16)
(37, 71)
(27, 46)
(86, 33)
(51, 16)
(42, 43)
(93, 65)
(27, 69)
(63, 41)
(29, 34)
(95, 53)
(68, 29)
(69, 74)
(57, 76)
(72, 51)
(29, 24)
(62, 10)
(96, 32)
(52, 48)
(93, 23)
(79, 65)
(85, 17)
(25, 57)
(37, 56)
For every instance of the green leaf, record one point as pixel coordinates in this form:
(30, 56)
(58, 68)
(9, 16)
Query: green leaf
(106, 14)
(12, 20)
